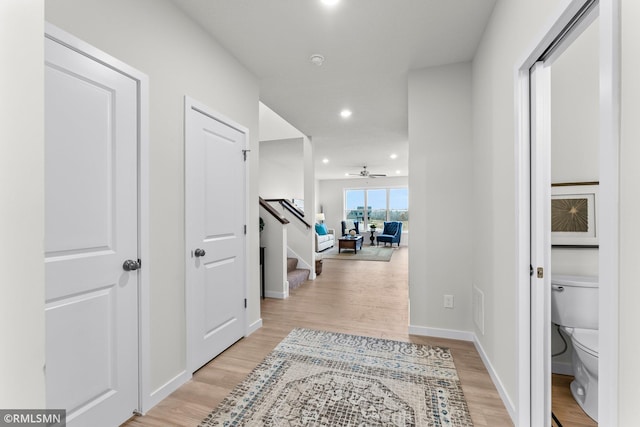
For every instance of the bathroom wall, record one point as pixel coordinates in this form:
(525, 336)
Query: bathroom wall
(574, 148)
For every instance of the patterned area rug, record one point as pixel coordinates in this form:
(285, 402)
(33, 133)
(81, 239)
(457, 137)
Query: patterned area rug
(367, 253)
(317, 378)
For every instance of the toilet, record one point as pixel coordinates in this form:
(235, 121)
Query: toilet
(574, 306)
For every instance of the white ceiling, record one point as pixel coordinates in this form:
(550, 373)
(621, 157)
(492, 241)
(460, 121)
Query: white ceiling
(369, 46)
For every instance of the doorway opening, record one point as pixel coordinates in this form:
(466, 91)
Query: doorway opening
(536, 171)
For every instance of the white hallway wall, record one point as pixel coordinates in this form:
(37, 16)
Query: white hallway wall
(180, 59)
(22, 354)
(629, 315)
(282, 169)
(441, 204)
(511, 32)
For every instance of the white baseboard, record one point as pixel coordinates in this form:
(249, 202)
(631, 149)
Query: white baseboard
(173, 384)
(254, 327)
(470, 336)
(441, 333)
(562, 368)
(164, 391)
(277, 295)
(508, 404)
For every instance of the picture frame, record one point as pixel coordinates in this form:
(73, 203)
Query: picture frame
(574, 215)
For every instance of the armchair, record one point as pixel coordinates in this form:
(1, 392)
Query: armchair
(349, 225)
(391, 233)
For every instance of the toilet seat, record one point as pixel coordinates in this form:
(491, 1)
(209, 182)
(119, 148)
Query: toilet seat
(587, 340)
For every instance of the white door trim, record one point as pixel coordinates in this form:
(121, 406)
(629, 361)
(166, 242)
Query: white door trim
(54, 33)
(192, 104)
(610, 101)
(609, 21)
(540, 287)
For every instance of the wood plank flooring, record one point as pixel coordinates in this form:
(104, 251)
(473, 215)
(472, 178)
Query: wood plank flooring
(358, 297)
(564, 405)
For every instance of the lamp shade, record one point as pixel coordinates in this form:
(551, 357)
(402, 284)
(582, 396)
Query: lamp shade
(320, 216)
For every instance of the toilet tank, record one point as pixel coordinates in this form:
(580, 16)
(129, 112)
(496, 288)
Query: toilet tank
(574, 301)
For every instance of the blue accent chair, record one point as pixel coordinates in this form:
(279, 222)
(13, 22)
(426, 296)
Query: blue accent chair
(391, 233)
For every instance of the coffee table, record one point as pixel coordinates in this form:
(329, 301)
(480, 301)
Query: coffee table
(348, 242)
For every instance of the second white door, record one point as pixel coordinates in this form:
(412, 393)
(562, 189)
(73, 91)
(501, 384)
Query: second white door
(215, 232)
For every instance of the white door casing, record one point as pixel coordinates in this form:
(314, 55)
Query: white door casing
(215, 194)
(91, 211)
(541, 244)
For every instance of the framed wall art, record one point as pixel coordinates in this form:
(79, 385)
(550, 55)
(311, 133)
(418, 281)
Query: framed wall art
(574, 214)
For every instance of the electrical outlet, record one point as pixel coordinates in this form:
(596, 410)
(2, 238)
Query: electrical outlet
(448, 301)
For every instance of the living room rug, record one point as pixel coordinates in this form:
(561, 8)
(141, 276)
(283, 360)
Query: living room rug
(367, 253)
(319, 378)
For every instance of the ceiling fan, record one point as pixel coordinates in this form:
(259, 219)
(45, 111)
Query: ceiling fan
(365, 173)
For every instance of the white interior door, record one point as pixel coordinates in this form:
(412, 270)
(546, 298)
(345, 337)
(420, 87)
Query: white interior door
(215, 233)
(91, 229)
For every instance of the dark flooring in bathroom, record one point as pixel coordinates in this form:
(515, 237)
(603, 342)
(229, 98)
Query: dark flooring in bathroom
(565, 408)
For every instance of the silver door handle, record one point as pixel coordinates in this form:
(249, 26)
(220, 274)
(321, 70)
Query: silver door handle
(130, 265)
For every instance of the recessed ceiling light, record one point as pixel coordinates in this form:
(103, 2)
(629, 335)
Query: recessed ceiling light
(345, 114)
(325, 160)
(330, 2)
(346, 174)
(394, 156)
(397, 172)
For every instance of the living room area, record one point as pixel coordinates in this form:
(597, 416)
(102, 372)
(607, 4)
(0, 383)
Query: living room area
(386, 200)
(289, 171)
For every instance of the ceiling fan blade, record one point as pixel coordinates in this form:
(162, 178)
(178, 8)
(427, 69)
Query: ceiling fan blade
(374, 175)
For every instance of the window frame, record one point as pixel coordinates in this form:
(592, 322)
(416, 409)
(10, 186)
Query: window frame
(365, 208)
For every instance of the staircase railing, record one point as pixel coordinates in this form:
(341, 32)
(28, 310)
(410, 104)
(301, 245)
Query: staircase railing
(273, 212)
(286, 204)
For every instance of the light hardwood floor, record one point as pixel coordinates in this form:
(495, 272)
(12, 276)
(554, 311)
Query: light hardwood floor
(358, 297)
(564, 405)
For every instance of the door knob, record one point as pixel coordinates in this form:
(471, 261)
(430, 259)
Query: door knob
(130, 265)
(199, 252)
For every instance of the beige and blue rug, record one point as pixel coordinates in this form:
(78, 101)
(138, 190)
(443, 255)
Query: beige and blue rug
(318, 378)
(367, 253)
